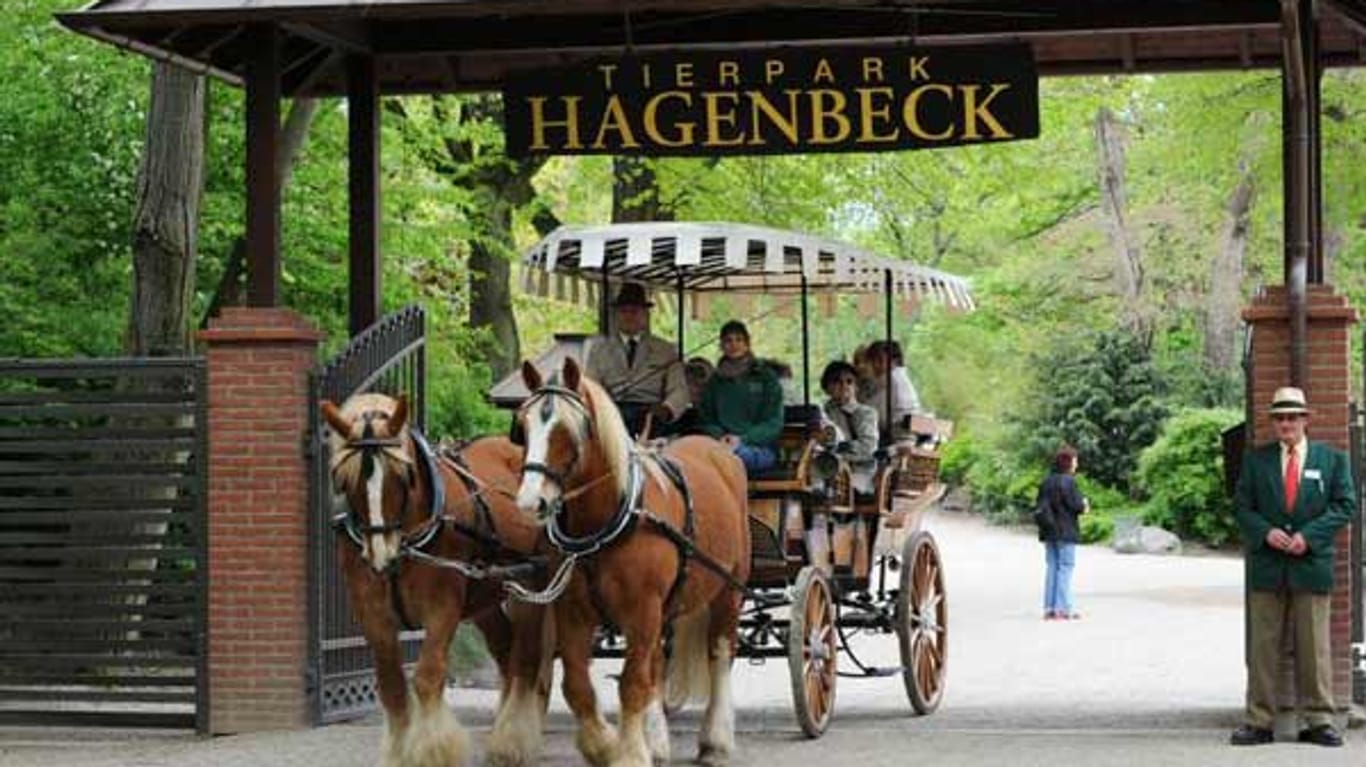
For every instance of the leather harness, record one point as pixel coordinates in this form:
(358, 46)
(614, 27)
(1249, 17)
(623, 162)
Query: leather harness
(414, 545)
(628, 514)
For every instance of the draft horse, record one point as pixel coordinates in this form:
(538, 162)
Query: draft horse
(661, 541)
(414, 528)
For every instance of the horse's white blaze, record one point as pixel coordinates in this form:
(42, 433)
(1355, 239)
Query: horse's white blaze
(534, 488)
(380, 550)
(717, 739)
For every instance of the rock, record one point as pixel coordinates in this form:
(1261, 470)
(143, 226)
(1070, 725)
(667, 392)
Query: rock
(1146, 540)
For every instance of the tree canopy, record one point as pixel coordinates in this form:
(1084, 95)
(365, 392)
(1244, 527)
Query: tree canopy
(1035, 225)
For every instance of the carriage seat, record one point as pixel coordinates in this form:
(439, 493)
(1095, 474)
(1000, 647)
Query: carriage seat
(794, 447)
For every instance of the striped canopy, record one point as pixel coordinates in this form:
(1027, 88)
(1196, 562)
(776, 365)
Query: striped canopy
(709, 257)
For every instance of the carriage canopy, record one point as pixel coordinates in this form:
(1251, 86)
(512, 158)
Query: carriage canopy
(712, 257)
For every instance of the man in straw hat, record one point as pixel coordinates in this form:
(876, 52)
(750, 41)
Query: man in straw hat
(641, 371)
(1293, 497)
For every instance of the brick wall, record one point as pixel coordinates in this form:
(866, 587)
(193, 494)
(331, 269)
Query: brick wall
(1331, 322)
(258, 365)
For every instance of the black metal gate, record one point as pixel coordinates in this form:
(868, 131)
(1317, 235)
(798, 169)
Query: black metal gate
(103, 604)
(389, 357)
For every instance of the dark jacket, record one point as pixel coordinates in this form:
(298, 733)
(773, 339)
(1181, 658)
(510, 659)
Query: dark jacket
(749, 406)
(1061, 493)
(1324, 504)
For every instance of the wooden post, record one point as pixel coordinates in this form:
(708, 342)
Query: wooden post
(362, 102)
(263, 185)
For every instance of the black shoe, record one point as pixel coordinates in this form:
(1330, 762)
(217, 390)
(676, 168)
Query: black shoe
(1247, 735)
(1321, 735)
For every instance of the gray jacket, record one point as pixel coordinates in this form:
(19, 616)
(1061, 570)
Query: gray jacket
(656, 376)
(857, 426)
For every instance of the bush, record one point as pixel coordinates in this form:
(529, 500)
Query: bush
(1002, 490)
(1097, 527)
(957, 458)
(1182, 477)
(1098, 524)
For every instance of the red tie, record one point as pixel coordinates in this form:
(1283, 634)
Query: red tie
(1292, 480)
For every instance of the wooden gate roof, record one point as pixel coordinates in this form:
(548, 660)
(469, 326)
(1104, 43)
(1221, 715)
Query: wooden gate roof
(466, 45)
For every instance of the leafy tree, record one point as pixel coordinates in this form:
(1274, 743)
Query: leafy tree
(1104, 399)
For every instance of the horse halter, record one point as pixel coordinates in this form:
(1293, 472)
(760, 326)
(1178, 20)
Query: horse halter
(546, 396)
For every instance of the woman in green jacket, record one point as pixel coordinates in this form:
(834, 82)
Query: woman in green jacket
(743, 403)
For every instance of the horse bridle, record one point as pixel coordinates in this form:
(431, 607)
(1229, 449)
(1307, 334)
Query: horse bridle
(546, 397)
(372, 449)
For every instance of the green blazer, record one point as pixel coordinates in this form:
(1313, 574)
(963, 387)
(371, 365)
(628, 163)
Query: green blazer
(1324, 504)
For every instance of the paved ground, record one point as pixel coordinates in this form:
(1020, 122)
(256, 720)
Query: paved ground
(1152, 675)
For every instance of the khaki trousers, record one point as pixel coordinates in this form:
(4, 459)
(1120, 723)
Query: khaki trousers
(1307, 615)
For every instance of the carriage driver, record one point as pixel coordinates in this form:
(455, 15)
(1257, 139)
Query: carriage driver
(641, 371)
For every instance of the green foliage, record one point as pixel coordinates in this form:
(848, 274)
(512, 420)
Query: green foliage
(1182, 476)
(1107, 503)
(71, 117)
(1097, 527)
(1103, 399)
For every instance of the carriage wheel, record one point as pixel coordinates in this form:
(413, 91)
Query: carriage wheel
(811, 650)
(923, 628)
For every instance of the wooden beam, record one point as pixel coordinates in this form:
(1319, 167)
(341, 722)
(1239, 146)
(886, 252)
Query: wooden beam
(348, 36)
(263, 184)
(363, 115)
(757, 25)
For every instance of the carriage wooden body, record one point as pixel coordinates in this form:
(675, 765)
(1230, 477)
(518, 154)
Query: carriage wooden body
(828, 563)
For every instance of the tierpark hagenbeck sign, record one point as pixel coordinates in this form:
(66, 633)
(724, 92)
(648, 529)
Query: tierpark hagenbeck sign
(772, 101)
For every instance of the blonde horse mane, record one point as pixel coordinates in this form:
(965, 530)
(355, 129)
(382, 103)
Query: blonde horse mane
(613, 438)
(345, 466)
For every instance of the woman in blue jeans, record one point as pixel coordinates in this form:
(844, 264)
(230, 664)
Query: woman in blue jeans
(1059, 490)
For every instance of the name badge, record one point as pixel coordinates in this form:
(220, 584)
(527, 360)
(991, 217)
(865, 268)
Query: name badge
(1313, 474)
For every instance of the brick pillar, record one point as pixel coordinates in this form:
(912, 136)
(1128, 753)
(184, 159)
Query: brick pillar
(258, 360)
(1331, 321)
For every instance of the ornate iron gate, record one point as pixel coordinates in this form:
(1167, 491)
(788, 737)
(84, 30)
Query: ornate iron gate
(103, 598)
(389, 357)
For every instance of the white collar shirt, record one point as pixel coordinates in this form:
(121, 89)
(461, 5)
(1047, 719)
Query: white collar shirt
(1301, 453)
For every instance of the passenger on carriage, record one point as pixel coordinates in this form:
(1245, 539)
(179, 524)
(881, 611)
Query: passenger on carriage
(880, 356)
(641, 371)
(855, 423)
(743, 403)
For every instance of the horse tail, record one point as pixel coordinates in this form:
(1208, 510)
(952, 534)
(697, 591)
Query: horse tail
(688, 671)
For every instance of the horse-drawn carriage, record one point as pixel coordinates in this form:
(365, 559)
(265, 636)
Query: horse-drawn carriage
(691, 560)
(828, 560)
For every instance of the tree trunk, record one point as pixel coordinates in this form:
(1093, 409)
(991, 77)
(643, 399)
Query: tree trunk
(166, 225)
(490, 266)
(1114, 199)
(165, 243)
(635, 192)
(292, 141)
(1226, 280)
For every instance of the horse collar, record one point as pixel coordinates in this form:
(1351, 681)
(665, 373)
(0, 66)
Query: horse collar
(624, 518)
